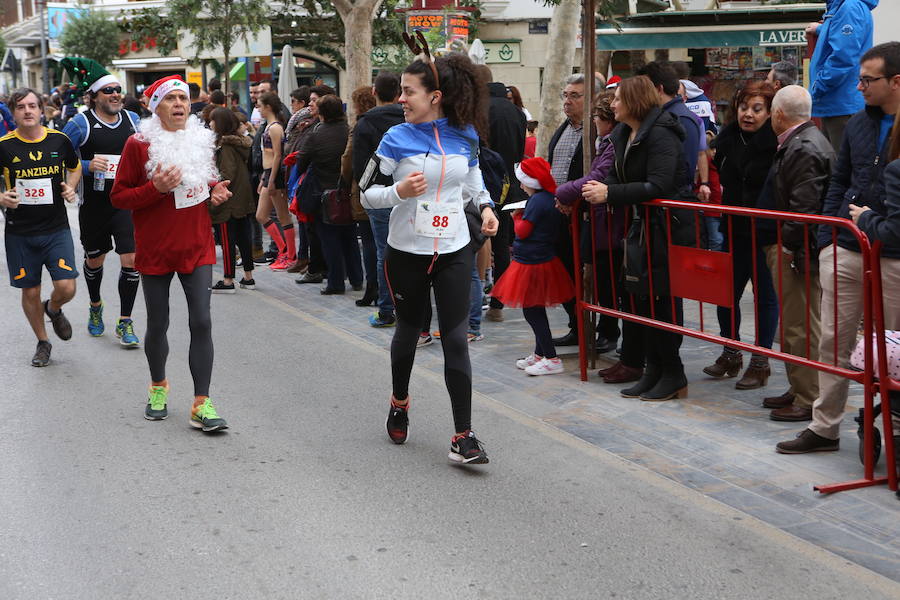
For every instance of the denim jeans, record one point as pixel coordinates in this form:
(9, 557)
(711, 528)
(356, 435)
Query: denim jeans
(714, 236)
(475, 298)
(379, 219)
(763, 293)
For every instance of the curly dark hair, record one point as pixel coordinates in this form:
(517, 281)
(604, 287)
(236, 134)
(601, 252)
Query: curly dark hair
(465, 95)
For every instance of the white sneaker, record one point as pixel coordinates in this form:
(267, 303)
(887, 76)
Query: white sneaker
(524, 363)
(546, 366)
(424, 340)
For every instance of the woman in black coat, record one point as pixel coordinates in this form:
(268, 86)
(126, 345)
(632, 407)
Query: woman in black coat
(322, 149)
(745, 151)
(649, 162)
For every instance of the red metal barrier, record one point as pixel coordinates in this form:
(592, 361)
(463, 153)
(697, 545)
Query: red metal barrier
(706, 276)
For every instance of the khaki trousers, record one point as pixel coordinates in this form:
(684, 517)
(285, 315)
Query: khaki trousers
(828, 409)
(794, 301)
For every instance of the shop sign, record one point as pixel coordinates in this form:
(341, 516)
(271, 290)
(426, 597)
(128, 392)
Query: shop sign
(539, 27)
(502, 52)
(782, 37)
(453, 26)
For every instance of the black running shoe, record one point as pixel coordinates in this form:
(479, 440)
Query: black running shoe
(398, 423)
(41, 356)
(222, 288)
(467, 450)
(61, 326)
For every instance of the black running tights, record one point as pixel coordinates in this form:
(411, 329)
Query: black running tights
(196, 288)
(409, 282)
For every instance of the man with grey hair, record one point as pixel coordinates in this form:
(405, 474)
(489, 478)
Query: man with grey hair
(566, 164)
(782, 74)
(797, 182)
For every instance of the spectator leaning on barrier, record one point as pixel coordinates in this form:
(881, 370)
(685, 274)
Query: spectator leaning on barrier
(842, 38)
(744, 153)
(608, 258)
(649, 164)
(857, 180)
(566, 163)
(797, 182)
(782, 74)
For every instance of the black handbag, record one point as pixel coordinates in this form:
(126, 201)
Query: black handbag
(336, 207)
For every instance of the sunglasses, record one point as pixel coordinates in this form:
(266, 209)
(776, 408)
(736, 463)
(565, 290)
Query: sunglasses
(108, 90)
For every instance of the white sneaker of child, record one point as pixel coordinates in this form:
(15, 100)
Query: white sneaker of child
(531, 359)
(546, 366)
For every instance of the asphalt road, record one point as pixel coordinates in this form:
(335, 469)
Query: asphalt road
(305, 496)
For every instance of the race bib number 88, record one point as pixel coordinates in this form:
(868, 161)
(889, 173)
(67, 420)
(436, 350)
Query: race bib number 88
(35, 191)
(437, 220)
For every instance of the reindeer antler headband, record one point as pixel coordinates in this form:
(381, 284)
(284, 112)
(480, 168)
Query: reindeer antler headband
(419, 45)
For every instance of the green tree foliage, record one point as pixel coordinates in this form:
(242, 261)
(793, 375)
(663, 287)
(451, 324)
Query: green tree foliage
(217, 24)
(148, 27)
(93, 34)
(321, 30)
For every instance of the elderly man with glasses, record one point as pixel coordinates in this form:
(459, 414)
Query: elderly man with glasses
(857, 191)
(566, 164)
(98, 135)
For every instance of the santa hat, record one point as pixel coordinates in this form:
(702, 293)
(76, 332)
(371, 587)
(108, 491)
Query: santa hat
(613, 82)
(162, 87)
(87, 75)
(535, 173)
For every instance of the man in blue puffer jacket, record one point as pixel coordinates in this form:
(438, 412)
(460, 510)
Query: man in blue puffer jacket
(843, 37)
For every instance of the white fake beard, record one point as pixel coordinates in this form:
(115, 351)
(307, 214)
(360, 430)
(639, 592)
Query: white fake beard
(191, 149)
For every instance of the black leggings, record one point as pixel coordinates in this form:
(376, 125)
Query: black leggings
(196, 288)
(236, 232)
(543, 339)
(409, 282)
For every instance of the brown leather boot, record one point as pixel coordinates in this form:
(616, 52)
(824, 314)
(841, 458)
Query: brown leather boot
(624, 374)
(610, 370)
(729, 363)
(786, 399)
(756, 375)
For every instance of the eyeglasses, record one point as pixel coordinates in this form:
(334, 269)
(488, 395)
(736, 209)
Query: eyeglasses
(571, 96)
(864, 81)
(108, 90)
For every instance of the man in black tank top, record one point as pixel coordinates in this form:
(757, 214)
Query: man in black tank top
(99, 134)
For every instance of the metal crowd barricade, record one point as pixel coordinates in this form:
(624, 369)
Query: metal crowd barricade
(706, 277)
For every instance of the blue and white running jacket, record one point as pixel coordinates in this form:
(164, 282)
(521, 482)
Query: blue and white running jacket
(449, 159)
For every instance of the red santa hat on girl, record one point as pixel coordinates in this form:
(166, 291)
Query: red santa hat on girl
(162, 87)
(535, 173)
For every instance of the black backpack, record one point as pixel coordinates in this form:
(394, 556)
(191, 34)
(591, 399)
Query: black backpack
(496, 180)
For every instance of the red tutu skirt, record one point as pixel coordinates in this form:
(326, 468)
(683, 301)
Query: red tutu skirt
(544, 284)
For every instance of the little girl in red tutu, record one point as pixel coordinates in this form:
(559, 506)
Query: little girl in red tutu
(536, 278)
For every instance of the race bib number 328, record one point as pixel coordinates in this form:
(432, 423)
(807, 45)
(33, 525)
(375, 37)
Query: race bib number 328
(35, 191)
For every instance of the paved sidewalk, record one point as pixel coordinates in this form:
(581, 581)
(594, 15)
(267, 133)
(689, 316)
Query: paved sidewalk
(719, 441)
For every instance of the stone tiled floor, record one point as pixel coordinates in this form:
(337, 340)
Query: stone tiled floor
(718, 442)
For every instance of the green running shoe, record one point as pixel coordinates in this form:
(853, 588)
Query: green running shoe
(206, 418)
(125, 333)
(95, 320)
(156, 403)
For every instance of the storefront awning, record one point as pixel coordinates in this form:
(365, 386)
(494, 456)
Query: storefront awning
(649, 38)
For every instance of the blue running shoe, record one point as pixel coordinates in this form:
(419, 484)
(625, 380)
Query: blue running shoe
(125, 333)
(95, 320)
(376, 320)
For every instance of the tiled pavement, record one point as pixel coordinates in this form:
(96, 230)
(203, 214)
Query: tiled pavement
(718, 442)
